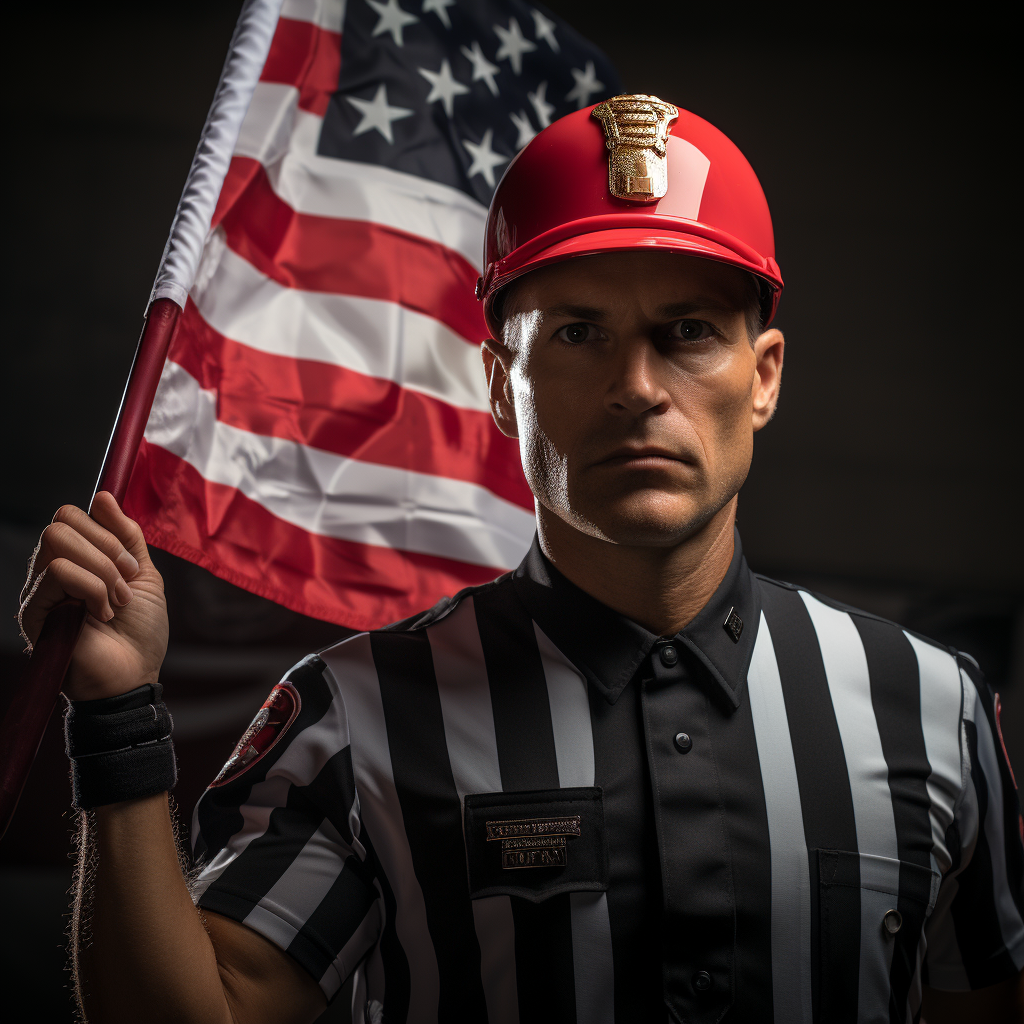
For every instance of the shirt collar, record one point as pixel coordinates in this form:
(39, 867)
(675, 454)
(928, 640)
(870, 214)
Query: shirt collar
(608, 648)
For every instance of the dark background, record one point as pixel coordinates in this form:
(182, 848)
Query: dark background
(886, 479)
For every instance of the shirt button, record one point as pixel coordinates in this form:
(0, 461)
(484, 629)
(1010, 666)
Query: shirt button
(702, 981)
(683, 742)
(892, 922)
(669, 655)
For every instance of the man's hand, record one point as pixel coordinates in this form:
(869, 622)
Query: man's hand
(104, 562)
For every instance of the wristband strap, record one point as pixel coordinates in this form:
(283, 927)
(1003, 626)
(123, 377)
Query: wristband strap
(120, 747)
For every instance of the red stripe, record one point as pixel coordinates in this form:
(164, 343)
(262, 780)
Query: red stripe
(306, 56)
(339, 410)
(361, 586)
(345, 257)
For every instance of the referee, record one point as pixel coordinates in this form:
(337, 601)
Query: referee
(629, 781)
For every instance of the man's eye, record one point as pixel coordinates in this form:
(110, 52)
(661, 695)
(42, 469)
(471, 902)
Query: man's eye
(692, 330)
(576, 334)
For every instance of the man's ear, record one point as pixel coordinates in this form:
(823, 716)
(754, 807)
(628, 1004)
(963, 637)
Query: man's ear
(768, 349)
(497, 359)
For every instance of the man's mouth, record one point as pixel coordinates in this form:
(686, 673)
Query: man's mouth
(644, 457)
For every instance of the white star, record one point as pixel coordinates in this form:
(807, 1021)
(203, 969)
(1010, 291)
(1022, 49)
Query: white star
(544, 28)
(392, 19)
(440, 8)
(377, 114)
(482, 67)
(443, 87)
(525, 129)
(540, 105)
(513, 45)
(484, 158)
(586, 85)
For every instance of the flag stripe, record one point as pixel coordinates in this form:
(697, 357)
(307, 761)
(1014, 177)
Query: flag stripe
(370, 336)
(307, 56)
(348, 413)
(284, 139)
(352, 257)
(222, 530)
(335, 496)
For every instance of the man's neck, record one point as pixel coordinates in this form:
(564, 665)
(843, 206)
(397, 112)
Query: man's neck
(661, 588)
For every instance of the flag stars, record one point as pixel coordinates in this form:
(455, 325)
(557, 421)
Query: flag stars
(523, 126)
(513, 45)
(440, 8)
(443, 86)
(377, 113)
(541, 108)
(586, 85)
(544, 28)
(392, 19)
(482, 67)
(484, 158)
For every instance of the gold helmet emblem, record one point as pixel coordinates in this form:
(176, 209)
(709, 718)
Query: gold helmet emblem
(636, 130)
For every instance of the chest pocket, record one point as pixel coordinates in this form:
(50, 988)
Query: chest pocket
(871, 911)
(537, 843)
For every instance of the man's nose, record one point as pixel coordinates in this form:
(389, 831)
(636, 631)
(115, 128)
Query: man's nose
(635, 384)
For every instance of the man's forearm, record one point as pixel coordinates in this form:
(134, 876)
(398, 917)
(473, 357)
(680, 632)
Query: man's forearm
(142, 953)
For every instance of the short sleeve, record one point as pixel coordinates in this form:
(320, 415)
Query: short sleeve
(277, 836)
(976, 933)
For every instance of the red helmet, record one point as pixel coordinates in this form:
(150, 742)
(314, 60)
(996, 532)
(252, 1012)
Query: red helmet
(631, 173)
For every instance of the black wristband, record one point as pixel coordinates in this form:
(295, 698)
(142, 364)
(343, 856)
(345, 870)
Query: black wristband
(120, 747)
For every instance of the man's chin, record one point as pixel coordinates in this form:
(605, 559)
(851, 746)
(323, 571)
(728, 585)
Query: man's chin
(651, 523)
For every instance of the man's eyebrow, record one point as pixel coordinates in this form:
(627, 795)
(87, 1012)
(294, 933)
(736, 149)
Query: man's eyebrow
(701, 304)
(574, 312)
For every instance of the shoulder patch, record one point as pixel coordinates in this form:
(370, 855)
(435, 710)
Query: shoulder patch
(272, 721)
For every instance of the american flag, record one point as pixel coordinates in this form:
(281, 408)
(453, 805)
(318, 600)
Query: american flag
(321, 433)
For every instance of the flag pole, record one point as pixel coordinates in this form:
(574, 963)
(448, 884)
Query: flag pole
(25, 722)
(34, 700)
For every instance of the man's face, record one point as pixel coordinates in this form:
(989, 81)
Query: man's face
(635, 391)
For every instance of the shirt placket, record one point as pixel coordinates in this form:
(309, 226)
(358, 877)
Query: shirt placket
(698, 897)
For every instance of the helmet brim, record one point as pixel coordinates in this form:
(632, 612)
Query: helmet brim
(638, 239)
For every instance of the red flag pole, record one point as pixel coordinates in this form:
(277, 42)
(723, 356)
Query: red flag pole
(30, 710)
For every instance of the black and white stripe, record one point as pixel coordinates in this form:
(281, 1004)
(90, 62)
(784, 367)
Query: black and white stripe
(856, 767)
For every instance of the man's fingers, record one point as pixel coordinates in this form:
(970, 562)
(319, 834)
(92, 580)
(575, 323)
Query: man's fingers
(98, 535)
(64, 578)
(106, 511)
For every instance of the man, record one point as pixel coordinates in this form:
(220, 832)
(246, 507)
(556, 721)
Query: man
(629, 781)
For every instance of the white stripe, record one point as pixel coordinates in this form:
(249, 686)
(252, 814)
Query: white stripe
(593, 966)
(264, 797)
(849, 684)
(371, 336)
(352, 675)
(941, 702)
(570, 715)
(465, 694)
(290, 901)
(327, 14)
(334, 496)
(791, 887)
(249, 46)
(465, 701)
(1010, 923)
(284, 139)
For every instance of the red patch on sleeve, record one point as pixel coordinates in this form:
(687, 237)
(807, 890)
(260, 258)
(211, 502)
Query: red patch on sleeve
(272, 721)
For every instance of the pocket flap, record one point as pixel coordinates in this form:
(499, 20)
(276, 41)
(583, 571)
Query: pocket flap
(880, 874)
(536, 843)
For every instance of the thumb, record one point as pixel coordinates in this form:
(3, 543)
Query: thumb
(106, 511)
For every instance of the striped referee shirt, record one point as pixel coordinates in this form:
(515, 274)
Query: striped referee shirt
(522, 806)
